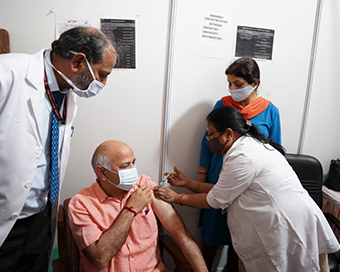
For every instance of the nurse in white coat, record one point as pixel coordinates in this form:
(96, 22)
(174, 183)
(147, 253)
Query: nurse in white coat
(275, 225)
(79, 58)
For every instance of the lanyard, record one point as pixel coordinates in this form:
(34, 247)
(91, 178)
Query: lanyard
(51, 99)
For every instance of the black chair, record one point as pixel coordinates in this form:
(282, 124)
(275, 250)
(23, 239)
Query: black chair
(309, 171)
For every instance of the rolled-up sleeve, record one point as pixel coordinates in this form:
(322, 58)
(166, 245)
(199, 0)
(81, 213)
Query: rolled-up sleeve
(84, 228)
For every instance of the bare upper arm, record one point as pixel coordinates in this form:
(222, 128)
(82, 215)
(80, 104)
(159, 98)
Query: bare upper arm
(168, 216)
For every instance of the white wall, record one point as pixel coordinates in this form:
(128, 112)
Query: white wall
(198, 82)
(323, 130)
(130, 108)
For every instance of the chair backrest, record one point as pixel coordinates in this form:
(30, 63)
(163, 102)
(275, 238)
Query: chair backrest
(309, 171)
(4, 41)
(68, 250)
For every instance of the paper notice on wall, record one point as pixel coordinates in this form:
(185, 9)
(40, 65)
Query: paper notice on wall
(65, 23)
(215, 34)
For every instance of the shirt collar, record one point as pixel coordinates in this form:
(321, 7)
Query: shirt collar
(52, 81)
(102, 196)
(99, 192)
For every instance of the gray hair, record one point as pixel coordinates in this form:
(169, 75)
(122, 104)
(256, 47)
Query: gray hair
(90, 41)
(100, 158)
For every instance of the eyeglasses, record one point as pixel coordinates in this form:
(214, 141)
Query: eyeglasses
(208, 136)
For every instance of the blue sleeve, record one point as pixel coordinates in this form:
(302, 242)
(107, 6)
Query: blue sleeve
(275, 128)
(268, 122)
(206, 155)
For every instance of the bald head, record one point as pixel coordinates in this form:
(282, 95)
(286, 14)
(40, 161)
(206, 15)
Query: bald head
(111, 153)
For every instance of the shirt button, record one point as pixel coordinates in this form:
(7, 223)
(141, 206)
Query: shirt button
(131, 259)
(14, 215)
(37, 151)
(28, 184)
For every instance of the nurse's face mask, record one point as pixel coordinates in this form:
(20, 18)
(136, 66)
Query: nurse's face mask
(127, 178)
(82, 84)
(214, 144)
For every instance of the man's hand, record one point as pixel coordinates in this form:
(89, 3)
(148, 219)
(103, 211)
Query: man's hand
(140, 198)
(165, 194)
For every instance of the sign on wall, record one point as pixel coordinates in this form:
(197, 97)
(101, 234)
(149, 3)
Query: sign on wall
(122, 34)
(254, 42)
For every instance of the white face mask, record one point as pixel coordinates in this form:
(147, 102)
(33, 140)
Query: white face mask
(93, 89)
(239, 95)
(127, 178)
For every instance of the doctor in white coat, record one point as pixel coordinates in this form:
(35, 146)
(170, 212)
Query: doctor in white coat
(78, 65)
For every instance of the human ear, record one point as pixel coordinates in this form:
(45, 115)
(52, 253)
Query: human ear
(99, 170)
(229, 133)
(78, 63)
(255, 84)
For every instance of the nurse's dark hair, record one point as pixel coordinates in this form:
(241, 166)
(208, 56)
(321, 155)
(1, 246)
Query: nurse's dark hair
(90, 41)
(228, 117)
(245, 68)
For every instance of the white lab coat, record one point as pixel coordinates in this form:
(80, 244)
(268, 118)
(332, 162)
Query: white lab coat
(22, 103)
(275, 225)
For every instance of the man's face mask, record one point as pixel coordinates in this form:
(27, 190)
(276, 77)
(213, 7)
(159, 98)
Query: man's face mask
(239, 95)
(127, 178)
(92, 89)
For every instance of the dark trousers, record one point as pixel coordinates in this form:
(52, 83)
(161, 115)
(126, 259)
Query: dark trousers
(26, 248)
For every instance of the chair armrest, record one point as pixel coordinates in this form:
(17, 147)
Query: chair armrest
(332, 219)
(61, 233)
(60, 265)
(176, 253)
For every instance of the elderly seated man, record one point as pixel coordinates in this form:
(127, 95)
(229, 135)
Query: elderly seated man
(113, 221)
